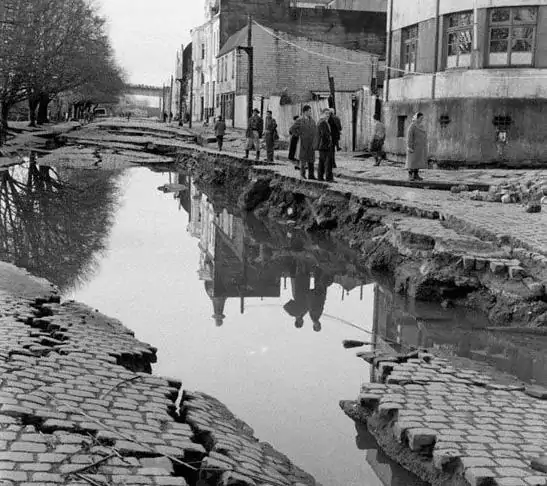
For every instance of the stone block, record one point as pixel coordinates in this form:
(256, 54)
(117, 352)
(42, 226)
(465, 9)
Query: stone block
(536, 480)
(510, 482)
(477, 462)
(468, 263)
(388, 408)
(536, 392)
(517, 273)
(480, 263)
(497, 267)
(420, 438)
(540, 463)
(479, 476)
(513, 472)
(443, 458)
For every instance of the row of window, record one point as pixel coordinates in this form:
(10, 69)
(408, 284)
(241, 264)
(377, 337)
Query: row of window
(511, 38)
(501, 122)
(222, 67)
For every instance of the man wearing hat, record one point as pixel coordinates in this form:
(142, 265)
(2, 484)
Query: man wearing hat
(254, 133)
(325, 147)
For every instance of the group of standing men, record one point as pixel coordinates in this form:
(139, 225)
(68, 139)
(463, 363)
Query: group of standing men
(323, 136)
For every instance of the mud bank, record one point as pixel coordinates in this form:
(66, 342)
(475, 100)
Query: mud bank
(453, 426)
(427, 256)
(79, 406)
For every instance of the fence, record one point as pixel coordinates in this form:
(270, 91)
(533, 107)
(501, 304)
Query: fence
(355, 110)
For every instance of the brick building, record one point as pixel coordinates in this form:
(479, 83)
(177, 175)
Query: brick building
(478, 71)
(355, 30)
(285, 65)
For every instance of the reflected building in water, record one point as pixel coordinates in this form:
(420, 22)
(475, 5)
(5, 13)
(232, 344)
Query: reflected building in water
(224, 253)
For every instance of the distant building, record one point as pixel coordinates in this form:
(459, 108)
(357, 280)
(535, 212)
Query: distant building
(285, 65)
(477, 69)
(363, 5)
(206, 44)
(351, 30)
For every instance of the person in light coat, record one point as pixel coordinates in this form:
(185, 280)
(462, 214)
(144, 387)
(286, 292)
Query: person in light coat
(416, 157)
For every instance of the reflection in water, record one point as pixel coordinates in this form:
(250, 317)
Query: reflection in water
(54, 222)
(242, 257)
(246, 258)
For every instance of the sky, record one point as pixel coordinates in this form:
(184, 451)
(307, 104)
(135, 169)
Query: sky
(146, 34)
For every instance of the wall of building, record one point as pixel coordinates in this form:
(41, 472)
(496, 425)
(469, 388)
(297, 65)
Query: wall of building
(363, 5)
(205, 41)
(292, 69)
(470, 135)
(352, 30)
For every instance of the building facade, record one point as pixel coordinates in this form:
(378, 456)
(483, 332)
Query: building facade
(290, 67)
(477, 69)
(205, 48)
(359, 5)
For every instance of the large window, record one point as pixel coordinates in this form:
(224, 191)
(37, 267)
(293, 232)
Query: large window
(512, 36)
(410, 48)
(459, 38)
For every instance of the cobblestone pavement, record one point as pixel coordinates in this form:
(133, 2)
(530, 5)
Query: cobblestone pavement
(463, 421)
(78, 405)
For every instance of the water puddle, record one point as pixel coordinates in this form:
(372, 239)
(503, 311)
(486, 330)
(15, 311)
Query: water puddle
(250, 311)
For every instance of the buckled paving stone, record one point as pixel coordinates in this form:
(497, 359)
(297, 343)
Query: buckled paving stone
(494, 430)
(88, 389)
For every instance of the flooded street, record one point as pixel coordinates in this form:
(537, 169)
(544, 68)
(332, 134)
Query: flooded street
(250, 312)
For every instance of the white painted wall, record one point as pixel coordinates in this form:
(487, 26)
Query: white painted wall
(359, 5)
(409, 12)
(410, 88)
(482, 83)
(493, 83)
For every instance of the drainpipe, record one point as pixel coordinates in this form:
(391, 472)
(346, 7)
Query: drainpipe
(389, 49)
(436, 60)
(475, 26)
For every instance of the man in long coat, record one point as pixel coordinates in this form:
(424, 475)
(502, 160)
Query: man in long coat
(305, 129)
(325, 147)
(254, 133)
(416, 157)
(270, 134)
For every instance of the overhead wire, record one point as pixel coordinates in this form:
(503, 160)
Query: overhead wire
(539, 75)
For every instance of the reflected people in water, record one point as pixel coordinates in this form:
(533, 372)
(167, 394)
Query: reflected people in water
(307, 300)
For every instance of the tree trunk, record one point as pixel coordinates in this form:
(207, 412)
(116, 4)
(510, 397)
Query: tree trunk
(42, 108)
(4, 112)
(32, 105)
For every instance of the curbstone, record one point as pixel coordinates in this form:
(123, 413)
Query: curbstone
(420, 438)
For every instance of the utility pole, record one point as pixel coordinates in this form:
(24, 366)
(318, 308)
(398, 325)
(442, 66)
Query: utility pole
(251, 66)
(191, 92)
(171, 100)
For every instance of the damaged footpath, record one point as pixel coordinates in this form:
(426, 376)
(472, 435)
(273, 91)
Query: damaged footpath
(79, 406)
(453, 426)
(428, 255)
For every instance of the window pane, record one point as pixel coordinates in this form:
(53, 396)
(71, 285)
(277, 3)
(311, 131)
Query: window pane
(452, 49)
(525, 15)
(521, 45)
(499, 34)
(460, 19)
(464, 41)
(499, 46)
(500, 15)
(525, 33)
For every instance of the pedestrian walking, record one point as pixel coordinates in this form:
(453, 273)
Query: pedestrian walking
(220, 130)
(325, 147)
(270, 135)
(305, 130)
(378, 139)
(293, 142)
(336, 132)
(416, 158)
(255, 127)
